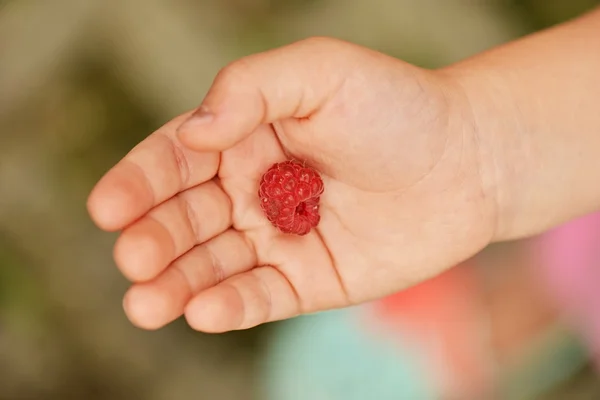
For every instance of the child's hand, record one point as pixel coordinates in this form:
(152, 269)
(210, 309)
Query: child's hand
(405, 191)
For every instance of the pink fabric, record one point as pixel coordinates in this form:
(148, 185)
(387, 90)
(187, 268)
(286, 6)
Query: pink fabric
(570, 265)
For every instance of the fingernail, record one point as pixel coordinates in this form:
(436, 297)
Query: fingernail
(202, 116)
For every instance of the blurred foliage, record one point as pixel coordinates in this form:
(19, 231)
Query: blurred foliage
(62, 331)
(540, 14)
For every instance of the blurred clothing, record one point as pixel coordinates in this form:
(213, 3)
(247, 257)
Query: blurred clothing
(435, 340)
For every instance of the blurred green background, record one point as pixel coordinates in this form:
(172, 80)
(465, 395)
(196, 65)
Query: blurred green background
(81, 82)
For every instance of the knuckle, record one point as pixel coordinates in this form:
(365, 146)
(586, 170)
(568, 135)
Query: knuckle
(336, 51)
(235, 72)
(322, 41)
(191, 216)
(180, 162)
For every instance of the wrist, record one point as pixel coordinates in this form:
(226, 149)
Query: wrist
(533, 103)
(501, 134)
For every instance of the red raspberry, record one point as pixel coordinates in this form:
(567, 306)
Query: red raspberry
(289, 195)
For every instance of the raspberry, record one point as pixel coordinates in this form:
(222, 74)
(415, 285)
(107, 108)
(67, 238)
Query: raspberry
(289, 195)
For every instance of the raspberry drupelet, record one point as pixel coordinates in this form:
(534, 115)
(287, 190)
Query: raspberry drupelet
(289, 195)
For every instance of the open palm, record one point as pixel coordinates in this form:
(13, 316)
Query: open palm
(404, 196)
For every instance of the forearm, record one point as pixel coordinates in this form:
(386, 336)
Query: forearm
(536, 107)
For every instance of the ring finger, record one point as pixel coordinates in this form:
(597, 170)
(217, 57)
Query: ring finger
(153, 304)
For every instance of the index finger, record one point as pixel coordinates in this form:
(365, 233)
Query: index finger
(154, 171)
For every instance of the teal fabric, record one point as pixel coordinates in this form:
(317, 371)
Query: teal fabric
(328, 356)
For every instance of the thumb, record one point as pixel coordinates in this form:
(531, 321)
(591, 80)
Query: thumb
(289, 82)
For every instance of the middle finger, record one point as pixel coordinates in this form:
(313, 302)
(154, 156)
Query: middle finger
(194, 216)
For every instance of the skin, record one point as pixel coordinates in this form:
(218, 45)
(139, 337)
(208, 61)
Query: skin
(422, 169)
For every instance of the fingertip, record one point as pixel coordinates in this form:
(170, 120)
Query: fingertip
(193, 132)
(188, 138)
(215, 310)
(220, 131)
(140, 253)
(102, 210)
(146, 308)
(117, 200)
(201, 139)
